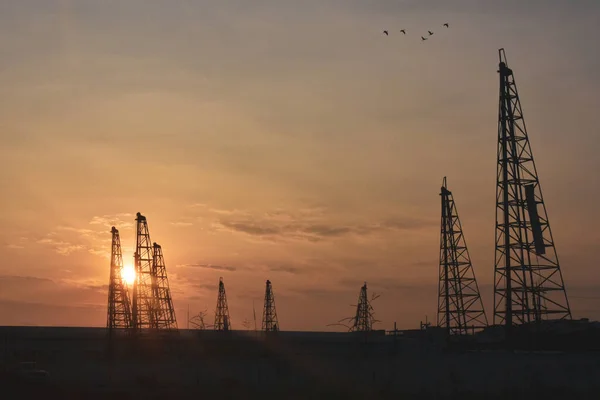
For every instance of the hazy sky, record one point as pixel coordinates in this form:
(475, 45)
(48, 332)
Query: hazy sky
(283, 140)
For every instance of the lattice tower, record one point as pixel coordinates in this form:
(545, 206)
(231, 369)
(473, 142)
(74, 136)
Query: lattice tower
(165, 312)
(460, 309)
(269, 322)
(144, 302)
(119, 308)
(528, 284)
(364, 319)
(222, 321)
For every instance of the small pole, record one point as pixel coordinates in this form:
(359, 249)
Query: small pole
(395, 337)
(254, 312)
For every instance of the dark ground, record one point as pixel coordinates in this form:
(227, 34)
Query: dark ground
(287, 366)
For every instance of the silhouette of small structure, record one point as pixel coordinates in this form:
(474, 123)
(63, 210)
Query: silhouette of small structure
(222, 321)
(364, 319)
(269, 321)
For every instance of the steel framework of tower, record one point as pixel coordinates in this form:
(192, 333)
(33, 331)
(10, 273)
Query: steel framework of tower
(363, 320)
(460, 309)
(152, 305)
(165, 312)
(222, 321)
(269, 322)
(119, 308)
(528, 283)
(143, 309)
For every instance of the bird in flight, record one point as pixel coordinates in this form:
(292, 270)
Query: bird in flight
(386, 33)
(430, 33)
(423, 38)
(446, 25)
(403, 31)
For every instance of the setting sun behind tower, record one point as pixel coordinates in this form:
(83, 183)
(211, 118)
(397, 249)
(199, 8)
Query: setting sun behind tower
(128, 274)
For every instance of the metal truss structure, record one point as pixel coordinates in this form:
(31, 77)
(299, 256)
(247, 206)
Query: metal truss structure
(222, 321)
(269, 321)
(528, 283)
(460, 309)
(119, 308)
(152, 303)
(144, 306)
(364, 319)
(164, 311)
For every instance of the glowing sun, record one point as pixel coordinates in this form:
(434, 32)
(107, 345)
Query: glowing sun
(128, 274)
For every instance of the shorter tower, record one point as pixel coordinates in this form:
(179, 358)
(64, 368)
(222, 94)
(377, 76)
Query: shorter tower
(363, 320)
(222, 321)
(119, 309)
(460, 309)
(165, 312)
(269, 322)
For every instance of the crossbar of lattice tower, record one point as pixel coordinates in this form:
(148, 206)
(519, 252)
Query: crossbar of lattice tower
(222, 321)
(165, 312)
(119, 308)
(460, 308)
(269, 321)
(528, 282)
(364, 319)
(144, 304)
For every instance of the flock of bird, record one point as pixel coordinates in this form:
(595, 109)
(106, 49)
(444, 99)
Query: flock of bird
(423, 38)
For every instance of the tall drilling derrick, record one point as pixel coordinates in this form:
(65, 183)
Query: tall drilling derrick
(119, 309)
(269, 322)
(460, 309)
(363, 320)
(152, 302)
(164, 312)
(528, 283)
(143, 313)
(222, 321)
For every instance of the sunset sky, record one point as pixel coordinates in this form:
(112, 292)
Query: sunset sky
(283, 140)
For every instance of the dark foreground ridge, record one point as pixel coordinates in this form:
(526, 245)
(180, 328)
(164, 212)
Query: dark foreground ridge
(82, 363)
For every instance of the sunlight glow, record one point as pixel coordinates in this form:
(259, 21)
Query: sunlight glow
(128, 274)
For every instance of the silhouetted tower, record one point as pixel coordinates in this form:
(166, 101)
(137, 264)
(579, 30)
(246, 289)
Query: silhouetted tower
(269, 322)
(144, 305)
(363, 320)
(222, 321)
(152, 303)
(164, 313)
(119, 309)
(528, 283)
(460, 309)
